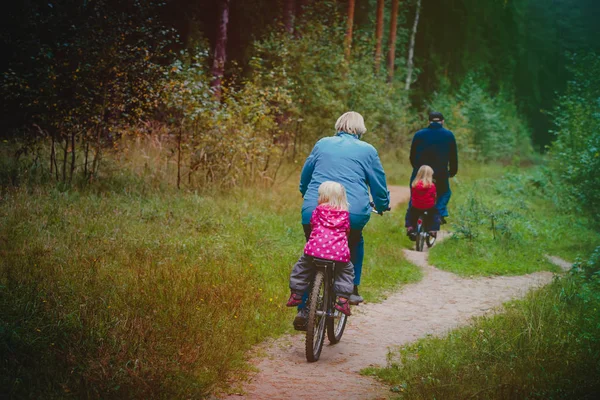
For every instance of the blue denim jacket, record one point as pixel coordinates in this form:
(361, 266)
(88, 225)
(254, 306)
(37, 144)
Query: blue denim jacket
(355, 164)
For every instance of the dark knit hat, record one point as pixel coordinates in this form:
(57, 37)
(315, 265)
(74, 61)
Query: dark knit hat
(435, 116)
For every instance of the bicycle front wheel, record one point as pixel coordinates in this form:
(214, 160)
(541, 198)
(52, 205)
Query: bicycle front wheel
(317, 315)
(336, 326)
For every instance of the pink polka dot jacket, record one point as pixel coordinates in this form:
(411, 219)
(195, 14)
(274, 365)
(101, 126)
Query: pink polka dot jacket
(329, 234)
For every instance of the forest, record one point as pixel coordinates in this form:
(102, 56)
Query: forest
(82, 74)
(143, 139)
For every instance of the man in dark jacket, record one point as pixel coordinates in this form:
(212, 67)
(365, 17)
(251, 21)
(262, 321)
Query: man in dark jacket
(436, 147)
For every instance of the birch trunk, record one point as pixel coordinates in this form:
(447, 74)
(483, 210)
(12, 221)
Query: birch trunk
(411, 50)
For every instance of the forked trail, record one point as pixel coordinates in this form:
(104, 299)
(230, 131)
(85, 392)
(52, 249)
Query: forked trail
(439, 302)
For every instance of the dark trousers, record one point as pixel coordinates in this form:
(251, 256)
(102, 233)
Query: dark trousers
(431, 223)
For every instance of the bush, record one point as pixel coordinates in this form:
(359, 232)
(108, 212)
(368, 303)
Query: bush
(323, 85)
(576, 150)
(488, 127)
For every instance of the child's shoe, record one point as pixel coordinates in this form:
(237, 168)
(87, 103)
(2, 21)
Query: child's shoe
(343, 306)
(294, 300)
(410, 233)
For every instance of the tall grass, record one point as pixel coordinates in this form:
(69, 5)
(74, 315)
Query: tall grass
(546, 346)
(126, 288)
(132, 296)
(506, 225)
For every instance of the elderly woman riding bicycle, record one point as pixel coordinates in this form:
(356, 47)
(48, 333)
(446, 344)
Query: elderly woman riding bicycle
(346, 159)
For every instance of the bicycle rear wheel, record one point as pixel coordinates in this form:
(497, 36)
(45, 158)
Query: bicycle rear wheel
(317, 316)
(335, 326)
(419, 243)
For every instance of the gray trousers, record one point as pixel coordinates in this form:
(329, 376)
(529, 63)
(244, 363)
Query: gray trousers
(304, 271)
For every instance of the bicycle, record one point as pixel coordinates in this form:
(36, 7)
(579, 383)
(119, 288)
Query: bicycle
(422, 235)
(322, 315)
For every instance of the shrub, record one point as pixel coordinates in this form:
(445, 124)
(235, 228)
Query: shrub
(487, 126)
(576, 150)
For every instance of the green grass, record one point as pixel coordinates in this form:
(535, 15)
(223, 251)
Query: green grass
(546, 346)
(134, 292)
(507, 225)
(384, 264)
(398, 169)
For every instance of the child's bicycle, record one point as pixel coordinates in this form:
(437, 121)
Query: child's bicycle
(422, 235)
(322, 315)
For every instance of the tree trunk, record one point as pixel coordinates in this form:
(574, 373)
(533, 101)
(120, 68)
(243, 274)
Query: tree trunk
(96, 160)
(349, 25)
(378, 34)
(220, 55)
(65, 155)
(289, 8)
(85, 163)
(52, 155)
(72, 157)
(411, 50)
(179, 157)
(392, 41)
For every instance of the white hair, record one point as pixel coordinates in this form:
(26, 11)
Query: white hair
(351, 122)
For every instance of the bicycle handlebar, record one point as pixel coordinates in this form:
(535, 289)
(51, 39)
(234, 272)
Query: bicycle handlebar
(377, 212)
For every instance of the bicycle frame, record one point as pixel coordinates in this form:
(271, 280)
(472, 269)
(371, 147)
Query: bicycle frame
(423, 236)
(328, 267)
(322, 315)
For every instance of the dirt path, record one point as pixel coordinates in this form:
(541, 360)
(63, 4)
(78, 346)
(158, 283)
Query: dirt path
(438, 303)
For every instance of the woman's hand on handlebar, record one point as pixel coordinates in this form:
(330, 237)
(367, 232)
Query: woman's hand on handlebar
(376, 211)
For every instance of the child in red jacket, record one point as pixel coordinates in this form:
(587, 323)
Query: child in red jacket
(422, 198)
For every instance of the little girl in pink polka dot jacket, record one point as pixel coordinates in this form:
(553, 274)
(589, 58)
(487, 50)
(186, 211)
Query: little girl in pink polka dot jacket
(328, 240)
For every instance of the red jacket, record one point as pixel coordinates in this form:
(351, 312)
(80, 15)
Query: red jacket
(421, 197)
(329, 235)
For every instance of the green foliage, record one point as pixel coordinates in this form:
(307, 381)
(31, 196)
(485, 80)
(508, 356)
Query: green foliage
(516, 46)
(323, 85)
(507, 225)
(240, 140)
(546, 346)
(576, 150)
(487, 127)
(90, 69)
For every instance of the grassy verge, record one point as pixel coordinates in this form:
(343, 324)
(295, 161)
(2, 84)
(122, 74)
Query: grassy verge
(385, 264)
(506, 225)
(546, 346)
(146, 293)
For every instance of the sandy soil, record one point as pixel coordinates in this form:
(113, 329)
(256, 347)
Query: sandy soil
(438, 303)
